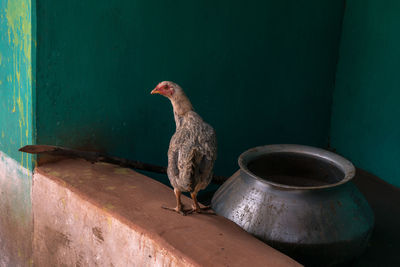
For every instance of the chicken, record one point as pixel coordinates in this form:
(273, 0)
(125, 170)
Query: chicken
(192, 150)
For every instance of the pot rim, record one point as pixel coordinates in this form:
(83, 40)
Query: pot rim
(340, 162)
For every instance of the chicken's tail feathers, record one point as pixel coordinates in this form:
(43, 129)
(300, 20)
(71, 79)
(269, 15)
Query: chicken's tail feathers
(190, 168)
(193, 159)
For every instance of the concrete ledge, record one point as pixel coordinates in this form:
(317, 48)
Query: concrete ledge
(103, 215)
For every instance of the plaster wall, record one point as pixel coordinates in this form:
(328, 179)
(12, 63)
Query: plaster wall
(366, 111)
(16, 130)
(70, 231)
(16, 225)
(103, 215)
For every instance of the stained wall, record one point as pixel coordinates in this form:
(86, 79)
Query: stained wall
(260, 72)
(16, 130)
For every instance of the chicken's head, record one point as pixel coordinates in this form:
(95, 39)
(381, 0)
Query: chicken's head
(180, 102)
(166, 88)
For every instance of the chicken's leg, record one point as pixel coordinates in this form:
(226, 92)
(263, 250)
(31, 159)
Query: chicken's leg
(179, 206)
(196, 207)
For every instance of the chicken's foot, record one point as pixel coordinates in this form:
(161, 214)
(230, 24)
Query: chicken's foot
(196, 207)
(179, 207)
(180, 211)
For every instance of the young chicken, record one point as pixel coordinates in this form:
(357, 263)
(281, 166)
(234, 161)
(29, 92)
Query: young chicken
(192, 150)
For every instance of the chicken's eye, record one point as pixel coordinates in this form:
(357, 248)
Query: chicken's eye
(166, 87)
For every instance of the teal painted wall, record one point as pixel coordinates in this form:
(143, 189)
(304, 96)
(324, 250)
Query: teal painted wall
(259, 71)
(16, 130)
(16, 88)
(366, 109)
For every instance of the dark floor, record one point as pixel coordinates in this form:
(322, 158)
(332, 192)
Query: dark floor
(384, 247)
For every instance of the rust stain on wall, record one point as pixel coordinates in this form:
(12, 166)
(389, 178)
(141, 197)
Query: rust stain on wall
(98, 234)
(55, 240)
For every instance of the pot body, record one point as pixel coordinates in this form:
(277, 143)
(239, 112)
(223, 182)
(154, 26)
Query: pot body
(317, 226)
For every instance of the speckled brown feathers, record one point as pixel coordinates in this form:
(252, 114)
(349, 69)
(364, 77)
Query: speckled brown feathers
(191, 154)
(193, 147)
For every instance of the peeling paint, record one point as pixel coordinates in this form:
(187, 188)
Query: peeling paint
(17, 48)
(16, 128)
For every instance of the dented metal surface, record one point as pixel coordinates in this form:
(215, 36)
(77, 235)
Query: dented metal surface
(323, 225)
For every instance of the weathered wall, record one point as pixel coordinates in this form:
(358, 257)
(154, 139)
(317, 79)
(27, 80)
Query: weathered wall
(259, 71)
(103, 215)
(15, 213)
(366, 110)
(16, 90)
(16, 130)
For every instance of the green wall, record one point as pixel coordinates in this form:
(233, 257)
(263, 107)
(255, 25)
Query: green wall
(16, 129)
(16, 88)
(259, 71)
(366, 106)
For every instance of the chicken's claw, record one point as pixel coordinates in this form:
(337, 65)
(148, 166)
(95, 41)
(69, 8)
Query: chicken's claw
(180, 211)
(203, 210)
(184, 212)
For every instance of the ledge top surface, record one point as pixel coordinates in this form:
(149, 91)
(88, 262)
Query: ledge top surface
(136, 200)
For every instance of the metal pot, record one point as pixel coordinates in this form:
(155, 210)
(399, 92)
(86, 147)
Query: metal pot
(299, 200)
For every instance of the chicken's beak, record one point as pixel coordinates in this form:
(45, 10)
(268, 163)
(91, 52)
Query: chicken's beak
(155, 91)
